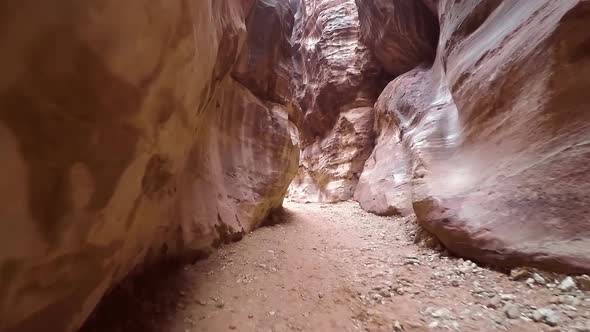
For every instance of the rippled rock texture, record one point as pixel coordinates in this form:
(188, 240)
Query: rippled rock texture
(132, 132)
(336, 86)
(491, 142)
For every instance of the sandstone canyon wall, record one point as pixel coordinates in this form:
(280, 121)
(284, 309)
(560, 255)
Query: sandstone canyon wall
(489, 143)
(131, 132)
(403, 35)
(336, 81)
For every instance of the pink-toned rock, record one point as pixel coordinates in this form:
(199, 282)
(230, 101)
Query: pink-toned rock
(498, 133)
(384, 187)
(335, 75)
(330, 168)
(125, 141)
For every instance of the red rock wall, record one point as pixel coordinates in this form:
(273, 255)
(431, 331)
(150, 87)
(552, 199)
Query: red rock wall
(131, 132)
(336, 86)
(402, 34)
(492, 138)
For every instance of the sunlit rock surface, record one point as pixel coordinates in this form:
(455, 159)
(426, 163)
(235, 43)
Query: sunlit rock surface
(125, 140)
(497, 132)
(336, 80)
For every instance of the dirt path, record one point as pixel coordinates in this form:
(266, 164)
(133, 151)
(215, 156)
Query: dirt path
(337, 268)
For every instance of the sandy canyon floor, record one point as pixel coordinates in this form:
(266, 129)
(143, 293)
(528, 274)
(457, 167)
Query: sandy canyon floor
(338, 268)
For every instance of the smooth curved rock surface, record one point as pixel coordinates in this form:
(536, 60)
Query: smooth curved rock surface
(336, 83)
(125, 141)
(402, 35)
(384, 187)
(497, 132)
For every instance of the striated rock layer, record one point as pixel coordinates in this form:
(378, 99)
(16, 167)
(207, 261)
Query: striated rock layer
(336, 80)
(132, 132)
(491, 143)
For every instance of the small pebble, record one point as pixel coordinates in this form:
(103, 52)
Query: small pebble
(539, 279)
(512, 311)
(519, 274)
(567, 284)
(494, 302)
(583, 282)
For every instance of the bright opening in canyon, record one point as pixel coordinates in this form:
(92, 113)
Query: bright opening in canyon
(295, 165)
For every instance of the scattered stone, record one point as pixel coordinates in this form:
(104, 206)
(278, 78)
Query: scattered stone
(219, 304)
(250, 316)
(433, 324)
(583, 282)
(441, 313)
(455, 283)
(546, 316)
(385, 293)
(539, 279)
(552, 320)
(397, 326)
(507, 297)
(572, 314)
(530, 282)
(494, 302)
(567, 299)
(412, 261)
(538, 315)
(465, 269)
(520, 274)
(478, 290)
(567, 284)
(512, 311)
(581, 328)
(232, 327)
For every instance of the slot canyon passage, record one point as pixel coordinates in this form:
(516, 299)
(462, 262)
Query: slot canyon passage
(295, 165)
